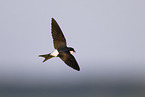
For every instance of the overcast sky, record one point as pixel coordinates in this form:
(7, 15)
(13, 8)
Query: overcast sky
(108, 36)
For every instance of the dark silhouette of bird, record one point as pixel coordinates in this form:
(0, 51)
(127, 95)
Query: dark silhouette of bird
(61, 49)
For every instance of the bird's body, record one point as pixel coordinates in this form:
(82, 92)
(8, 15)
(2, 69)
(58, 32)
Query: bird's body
(55, 53)
(61, 49)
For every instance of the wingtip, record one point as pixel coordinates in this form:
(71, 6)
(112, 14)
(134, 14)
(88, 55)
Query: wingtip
(52, 19)
(78, 69)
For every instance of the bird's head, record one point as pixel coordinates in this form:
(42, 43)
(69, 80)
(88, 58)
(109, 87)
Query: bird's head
(71, 50)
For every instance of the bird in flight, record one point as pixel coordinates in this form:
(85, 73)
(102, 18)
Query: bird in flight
(61, 49)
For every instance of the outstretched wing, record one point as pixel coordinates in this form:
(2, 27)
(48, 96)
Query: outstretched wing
(58, 37)
(69, 60)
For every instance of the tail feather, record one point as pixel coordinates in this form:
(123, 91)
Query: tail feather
(46, 56)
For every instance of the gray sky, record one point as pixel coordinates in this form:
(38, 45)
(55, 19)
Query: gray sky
(108, 36)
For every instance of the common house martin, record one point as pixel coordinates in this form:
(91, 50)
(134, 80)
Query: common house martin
(61, 49)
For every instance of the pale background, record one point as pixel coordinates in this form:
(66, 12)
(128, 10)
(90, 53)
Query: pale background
(108, 36)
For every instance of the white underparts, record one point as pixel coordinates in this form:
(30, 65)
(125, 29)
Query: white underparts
(55, 53)
(71, 52)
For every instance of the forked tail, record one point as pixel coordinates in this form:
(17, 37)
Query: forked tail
(46, 56)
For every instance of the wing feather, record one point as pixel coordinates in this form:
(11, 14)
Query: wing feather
(69, 60)
(58, 37)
